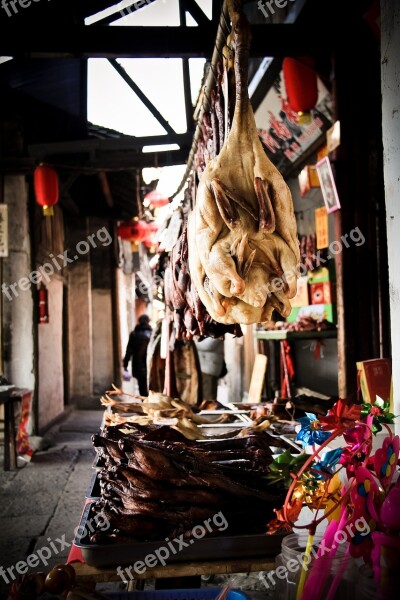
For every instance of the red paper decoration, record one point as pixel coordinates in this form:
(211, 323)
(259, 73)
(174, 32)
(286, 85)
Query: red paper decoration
(43, 304)
(45, 183)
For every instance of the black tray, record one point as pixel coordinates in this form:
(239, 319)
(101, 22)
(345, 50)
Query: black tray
(98, 463)
(93, 490)
(204, 549)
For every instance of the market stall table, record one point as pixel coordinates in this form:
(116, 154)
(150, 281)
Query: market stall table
(174, 572)
(88, 574)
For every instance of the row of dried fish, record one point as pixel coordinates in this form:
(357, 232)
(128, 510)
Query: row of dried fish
(156, 483)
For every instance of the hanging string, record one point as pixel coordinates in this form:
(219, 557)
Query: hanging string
(226, 22)
(220, 42)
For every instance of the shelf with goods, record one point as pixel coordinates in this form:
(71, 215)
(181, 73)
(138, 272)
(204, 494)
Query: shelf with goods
(313, 317)
(277, 335)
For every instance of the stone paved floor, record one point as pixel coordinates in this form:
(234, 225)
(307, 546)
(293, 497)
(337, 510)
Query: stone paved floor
(43, 501)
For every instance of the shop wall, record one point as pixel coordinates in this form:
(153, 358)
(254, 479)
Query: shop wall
(249, 347)
(234, 363)
(50, 357)
(126, 306)
(102, 273)
(80, 331)
(80, 354)
(102, 341)
(362, 274)
(125, 283)
(18, 326)
(318, 374)
(390, 23)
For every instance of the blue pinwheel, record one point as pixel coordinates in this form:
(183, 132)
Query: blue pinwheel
(324, 469)
(311, 431)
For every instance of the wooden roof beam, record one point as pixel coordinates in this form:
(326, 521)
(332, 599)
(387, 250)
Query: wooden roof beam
(153, 42)
(93, 145)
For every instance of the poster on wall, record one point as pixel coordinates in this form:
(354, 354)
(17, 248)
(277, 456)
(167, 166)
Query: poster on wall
(328, 185)
(284, 139)
(321, 227)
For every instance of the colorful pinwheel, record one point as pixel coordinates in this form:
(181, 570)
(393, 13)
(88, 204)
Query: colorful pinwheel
(359, 445)
(379, 411)
(324, 469)
(385, 460)
(284, 465)
(341, 416)
(311, 431)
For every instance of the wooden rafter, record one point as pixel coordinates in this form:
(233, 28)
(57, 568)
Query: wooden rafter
(148, 104)
(119, 13)
(195, 11)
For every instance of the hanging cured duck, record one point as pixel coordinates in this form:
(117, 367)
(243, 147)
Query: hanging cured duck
(243, 247)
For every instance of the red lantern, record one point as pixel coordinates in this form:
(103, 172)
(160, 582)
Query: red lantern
(133, 231)
(156, 199)
(301, 85)
(45, 183)
(151, 235)
(43, 304)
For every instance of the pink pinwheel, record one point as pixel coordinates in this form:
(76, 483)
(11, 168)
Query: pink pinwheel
(390, 513)
(366, 498)
(385, 460)
(358, 449)
(365, 495)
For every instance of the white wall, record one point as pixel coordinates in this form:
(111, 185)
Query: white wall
(80, 330)
(234, 363)
(51, 376)
(127, 317)
(102, 341)
(390, 60)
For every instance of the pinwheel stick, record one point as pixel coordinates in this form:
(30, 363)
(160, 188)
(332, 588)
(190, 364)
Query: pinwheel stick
(304, 566)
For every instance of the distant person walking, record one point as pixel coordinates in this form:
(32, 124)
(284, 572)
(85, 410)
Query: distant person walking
(136, 352)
